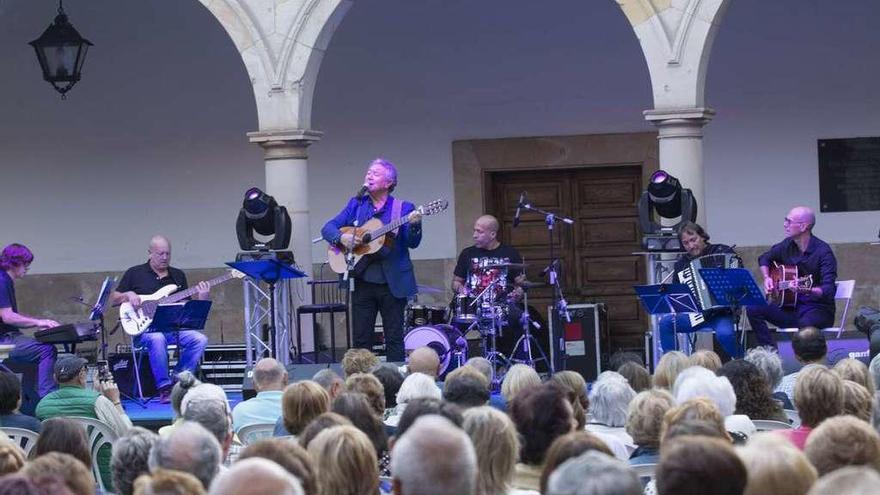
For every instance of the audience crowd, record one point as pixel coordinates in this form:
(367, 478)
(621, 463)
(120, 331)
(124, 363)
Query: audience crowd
(696, 426)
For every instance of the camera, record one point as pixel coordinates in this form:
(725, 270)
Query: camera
(867, 321)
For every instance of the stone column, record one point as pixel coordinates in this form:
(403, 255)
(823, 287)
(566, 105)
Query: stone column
(681, 147)
(287, 180)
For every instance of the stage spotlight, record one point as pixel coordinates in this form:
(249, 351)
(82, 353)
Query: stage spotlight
(261, 213)
(668, 199)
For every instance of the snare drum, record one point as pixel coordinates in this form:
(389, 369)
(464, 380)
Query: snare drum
(446, 340)
(418, 315)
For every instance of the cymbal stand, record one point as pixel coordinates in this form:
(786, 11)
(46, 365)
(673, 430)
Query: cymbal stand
(527, 339)
(488, 327)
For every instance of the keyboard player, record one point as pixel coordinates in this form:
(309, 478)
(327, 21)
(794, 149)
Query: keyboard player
(696, 243)
(14, 263)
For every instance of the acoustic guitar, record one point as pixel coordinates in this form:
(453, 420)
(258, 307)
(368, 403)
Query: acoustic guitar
(788, 284)
(374, 236)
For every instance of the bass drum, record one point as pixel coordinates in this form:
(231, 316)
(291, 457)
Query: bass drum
(446, 340)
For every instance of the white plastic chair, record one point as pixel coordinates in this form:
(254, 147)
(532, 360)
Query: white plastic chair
(644, 470)
(99, 434)
(844, 292)
(770, 425)
(26, 439)
(253, 433)
(794, 417)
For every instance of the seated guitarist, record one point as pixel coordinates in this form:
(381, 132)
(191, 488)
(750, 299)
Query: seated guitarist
(695, 242)
(146, 279)
(812, 256)
(385, 280)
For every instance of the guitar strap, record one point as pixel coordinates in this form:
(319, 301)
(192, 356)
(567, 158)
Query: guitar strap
(396, 208)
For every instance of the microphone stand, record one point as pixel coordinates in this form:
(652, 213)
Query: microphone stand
(559, 303)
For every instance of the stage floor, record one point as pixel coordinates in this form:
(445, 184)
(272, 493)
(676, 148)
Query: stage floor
(154, 415)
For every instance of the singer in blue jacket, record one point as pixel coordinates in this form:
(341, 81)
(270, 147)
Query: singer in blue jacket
(383, 281)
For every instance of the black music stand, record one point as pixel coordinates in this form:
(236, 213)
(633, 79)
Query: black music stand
(734, 287)
(97, 313)
(269, 271)
(663, 299)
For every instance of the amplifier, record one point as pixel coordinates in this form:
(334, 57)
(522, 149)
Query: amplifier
(122, 368)
(576, 345)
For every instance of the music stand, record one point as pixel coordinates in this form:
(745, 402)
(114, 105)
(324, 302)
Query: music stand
(269, 271)
(97, 313)
(191, 315)
(663, 299)
(734, 287)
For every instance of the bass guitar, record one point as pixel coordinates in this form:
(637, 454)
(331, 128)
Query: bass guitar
(788, 284)
(136, 320)
(373, 236)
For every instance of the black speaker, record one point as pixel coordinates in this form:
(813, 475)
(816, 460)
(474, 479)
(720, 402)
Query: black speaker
(122, 368)
(576, 345)
(27, 375)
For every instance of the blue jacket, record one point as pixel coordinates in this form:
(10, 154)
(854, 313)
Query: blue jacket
(396, 264)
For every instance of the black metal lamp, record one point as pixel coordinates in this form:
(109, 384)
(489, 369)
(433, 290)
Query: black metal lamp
(261, 213)
(668, 199)
(61, 52)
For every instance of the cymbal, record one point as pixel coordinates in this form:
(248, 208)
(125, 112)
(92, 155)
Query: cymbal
(427, 289)
(506, 265)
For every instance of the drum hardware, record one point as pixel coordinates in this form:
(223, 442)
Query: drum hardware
(527, 339)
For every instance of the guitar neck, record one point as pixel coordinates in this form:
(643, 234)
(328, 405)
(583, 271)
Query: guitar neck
(390, 226)
(179, 296)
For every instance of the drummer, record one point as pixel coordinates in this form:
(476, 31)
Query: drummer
(486, 261)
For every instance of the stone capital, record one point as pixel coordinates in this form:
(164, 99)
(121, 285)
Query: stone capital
(680, 122)
(286, 143)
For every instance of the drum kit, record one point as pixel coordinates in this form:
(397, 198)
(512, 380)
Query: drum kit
(484, 308)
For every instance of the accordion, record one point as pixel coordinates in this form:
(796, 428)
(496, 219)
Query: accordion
(690, 276)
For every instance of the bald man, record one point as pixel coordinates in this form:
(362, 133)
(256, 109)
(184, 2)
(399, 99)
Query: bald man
(146, 279)
(813, 256)
(270, 378)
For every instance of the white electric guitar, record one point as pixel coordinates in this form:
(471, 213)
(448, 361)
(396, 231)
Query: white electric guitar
(136, 321)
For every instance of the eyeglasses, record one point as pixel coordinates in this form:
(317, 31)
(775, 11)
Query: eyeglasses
(789, 221)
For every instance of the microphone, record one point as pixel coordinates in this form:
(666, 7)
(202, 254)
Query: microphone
(519, 205)
(362, 191)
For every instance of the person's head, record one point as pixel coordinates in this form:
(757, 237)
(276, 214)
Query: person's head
(593, 473)
(302, 402)
(424, 360)
(610, 398)
(851, 480)
(567, 447)
(753, 395)
(10, 393)
(290, 456)
(346, 461)
(576, 386)
(70, 370)
(213, 414)
(541, 414)
(319, 424)
(418, 386)
(159, 252)
(697, 381)
(357, 409)
(256, 476)
(619, 358)
(63, 435)
(15, 259)
(269, 374)
(185, 381)
(874, 369)
(843, 441)
(769, 362)
(486, 231)
(809, 345)
(694, 238)
(636, 375)
(857, 401)
(775, 467)
(422, 407)
(77, 477)
(707, 359)
(496, 445)
(168, 482)
(482, 365)
(875, 412)
(799, 221)
(12, 459)
(818, 394)
(670, 365)
(191, 449)
(19, 484)
(369, 385)
(434, 457)
(701, 410)
(358, 361)
(855, 370)
(697, 465)
(131, 453)
(518, 377)
(331, 382)
(391, 380)
(381, 176)
(466, 387)
(645, 416)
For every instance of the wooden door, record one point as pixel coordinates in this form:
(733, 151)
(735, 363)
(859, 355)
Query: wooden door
(595, 252)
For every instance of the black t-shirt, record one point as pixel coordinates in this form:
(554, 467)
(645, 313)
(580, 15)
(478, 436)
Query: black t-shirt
(472, 261)
(7, 299)
(142, 280)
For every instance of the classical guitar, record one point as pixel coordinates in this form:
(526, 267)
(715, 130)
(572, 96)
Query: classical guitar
(373, 236)
(788, 285)
(136, 320)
